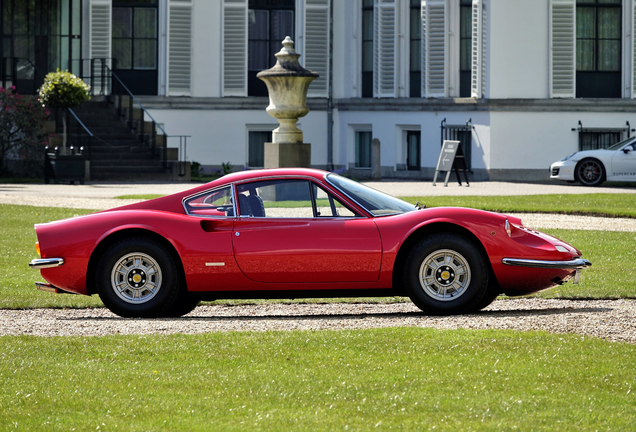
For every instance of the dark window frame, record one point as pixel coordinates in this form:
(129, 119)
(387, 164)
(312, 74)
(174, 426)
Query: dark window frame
(133, 6)
(465, 71)
(362, 155)
(366, 76)
(256, 87)
(415, 40)
(410, 164)
(596, 82)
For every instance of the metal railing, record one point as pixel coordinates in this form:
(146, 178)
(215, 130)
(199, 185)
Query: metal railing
(100, 78)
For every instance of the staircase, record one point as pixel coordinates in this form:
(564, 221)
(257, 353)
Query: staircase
(119, 153)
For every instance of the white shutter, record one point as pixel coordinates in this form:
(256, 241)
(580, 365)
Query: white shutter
(179, 48)
(562, 48)
(100, 38)
(633, 40)
(384, 47)
(316, 52)
(478, 49)
(434, 48)
(234, 47)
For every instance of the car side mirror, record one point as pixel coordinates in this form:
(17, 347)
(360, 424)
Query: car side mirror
(626, 150)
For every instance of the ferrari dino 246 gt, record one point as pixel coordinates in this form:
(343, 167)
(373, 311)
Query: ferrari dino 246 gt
(294, 233)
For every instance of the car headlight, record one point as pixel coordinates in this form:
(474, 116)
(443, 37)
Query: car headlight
(568, 157)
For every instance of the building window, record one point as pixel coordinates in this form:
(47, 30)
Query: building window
(465, 46)
(270, 21)
(256, 148)
(598, 48)
(363, 149)
(598, 140)
(415, 69)
(413, 147)
(367, 48)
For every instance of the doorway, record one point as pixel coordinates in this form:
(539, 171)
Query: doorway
(135, 46)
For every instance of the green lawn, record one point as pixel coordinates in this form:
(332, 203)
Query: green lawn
(608, 277)
(612, 205)
(401, 379)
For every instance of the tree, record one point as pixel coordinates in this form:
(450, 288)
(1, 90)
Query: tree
(63, 90)
(21, 127)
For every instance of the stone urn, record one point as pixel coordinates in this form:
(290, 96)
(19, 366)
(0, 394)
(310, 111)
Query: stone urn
(287, 84)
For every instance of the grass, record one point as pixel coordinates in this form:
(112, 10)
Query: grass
(404, 379)
(611, 205)
(608, 277)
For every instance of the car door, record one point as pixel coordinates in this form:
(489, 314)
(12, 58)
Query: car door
(624, 164)
(284, 235)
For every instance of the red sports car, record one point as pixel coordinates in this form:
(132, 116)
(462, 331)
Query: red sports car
(292, 233)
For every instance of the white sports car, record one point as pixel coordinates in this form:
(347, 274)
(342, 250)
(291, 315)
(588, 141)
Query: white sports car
(593, 167)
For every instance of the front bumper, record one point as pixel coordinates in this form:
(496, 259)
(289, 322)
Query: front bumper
(563, 170)
(42, 263)
(576, 264)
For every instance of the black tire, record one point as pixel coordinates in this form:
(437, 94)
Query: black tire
(490, 296)
(446, 274)
(185, 303)
(147, 283)
(590, 172)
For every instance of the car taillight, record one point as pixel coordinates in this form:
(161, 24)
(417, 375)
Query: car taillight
(37, 248)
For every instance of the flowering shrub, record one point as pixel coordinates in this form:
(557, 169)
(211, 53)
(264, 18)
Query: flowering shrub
(63, 90)
(21, 127)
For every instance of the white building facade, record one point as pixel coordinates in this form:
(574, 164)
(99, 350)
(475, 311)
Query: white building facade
(522, 83)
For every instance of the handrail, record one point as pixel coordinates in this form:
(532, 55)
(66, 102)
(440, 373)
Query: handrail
(134, 98)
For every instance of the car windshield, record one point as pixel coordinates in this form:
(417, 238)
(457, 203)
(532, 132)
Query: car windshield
(619, 145)
(374, 201)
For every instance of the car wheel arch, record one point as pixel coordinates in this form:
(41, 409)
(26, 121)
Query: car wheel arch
(114, 237)
(424, 231)
(590, 158)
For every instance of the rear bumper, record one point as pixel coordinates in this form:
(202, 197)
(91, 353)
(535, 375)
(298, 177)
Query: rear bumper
(42, 263)
(571, 264)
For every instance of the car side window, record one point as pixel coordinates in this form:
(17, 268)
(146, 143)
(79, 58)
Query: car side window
(329, 206)
(215, 203)
(275, 199)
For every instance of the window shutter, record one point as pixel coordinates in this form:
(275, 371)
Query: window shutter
(478, 49)
(234, 47)
(179, 48)
(100, 38)
(316, 52)
(633, 71)
(434, 48)
(562, 48)
(384, 46)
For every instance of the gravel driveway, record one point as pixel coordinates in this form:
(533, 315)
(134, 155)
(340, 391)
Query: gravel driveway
(613, 320)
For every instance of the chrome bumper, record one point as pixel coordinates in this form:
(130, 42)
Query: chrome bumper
(571, 264)
(42, 263)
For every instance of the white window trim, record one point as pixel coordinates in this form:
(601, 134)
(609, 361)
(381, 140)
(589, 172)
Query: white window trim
(401, 150)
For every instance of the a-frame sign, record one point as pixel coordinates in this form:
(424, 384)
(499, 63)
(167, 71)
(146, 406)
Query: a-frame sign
(450, 157)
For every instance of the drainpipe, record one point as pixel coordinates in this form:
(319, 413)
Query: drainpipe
(330, 94)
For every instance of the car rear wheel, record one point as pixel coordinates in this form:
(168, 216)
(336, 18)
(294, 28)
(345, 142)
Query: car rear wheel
(137, 277)
(446, 274)
(590, 172)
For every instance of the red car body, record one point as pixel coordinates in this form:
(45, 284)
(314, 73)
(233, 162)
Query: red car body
(219, 255)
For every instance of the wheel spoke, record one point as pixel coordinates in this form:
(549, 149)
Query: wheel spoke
(445, 275)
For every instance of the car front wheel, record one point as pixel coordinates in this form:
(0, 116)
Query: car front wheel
(138, 278)
(446, 274)
(590, 172)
